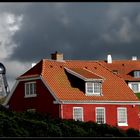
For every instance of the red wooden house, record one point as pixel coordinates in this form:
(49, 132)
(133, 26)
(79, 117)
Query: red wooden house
(76, 89)
(129, 70)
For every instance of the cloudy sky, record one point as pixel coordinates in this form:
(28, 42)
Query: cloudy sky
(32, 31)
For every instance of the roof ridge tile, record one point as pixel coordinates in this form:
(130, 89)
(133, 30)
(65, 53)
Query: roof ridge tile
(108, 69)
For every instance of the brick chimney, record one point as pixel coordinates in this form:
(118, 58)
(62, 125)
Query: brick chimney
(57, 56)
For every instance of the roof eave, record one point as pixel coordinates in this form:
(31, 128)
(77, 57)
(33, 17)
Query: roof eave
(100, 102)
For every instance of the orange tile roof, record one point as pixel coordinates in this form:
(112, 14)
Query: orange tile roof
(84, 72)
(53, 73)
(124, 68)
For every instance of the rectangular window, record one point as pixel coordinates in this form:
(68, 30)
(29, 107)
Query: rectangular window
(135, 87)
(100, 115)
(122, 116)
(97, 88)
(30, 89)
(78, 113)
(93, 88)
(137, 74)
(89, 87)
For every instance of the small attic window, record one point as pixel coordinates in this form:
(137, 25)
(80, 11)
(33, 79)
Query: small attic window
(137, 74)
(93, 88)
(30, 89)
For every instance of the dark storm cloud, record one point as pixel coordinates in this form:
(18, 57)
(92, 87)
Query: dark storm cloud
(79, 30)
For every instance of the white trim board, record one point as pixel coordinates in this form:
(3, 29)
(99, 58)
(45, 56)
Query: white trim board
(80, 76)
(102, 102)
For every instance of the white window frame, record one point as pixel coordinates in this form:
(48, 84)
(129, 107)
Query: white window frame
(130, 85)
(104, 114)
(29, 95)
(118, 117)
(82, 117)
(137, 74)
(133, 87)
(93, 84)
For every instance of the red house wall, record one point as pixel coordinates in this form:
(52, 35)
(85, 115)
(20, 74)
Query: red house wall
(111, 114)
(42, 103)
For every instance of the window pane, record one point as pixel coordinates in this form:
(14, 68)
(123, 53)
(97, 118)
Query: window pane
(100, 115)
(27, 89)
(135, 87)
(78, 114)
(89, 87)
(122, 116)
(137, 74)
(97, 87)
(30, 88)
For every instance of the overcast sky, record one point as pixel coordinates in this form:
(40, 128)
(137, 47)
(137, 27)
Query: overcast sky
(32, 31)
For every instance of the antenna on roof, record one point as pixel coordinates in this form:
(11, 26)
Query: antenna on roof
(109, 58)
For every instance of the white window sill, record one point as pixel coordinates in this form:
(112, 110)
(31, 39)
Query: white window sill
(29, 96)
(101, 123)
(93, 94)
(122, 124)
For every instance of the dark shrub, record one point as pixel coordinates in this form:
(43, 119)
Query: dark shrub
(10, 128)
(132, 132)
(116, 132)
(66, 129)
(54, 131)
(77, 131)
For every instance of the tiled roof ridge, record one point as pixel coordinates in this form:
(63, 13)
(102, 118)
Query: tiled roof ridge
(107, 69)
(51, 60)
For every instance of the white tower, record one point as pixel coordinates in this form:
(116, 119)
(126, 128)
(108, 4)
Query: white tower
(4, 88)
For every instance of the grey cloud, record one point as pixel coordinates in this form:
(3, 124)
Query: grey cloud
(79, 30)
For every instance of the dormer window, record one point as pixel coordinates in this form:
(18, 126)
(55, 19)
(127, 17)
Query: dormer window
(93, 88)
(137, 74)
(90, 80)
